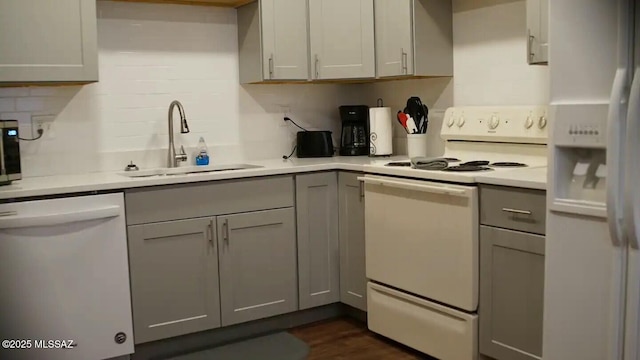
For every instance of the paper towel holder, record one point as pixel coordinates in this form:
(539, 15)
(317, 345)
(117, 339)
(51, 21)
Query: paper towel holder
(380, 131)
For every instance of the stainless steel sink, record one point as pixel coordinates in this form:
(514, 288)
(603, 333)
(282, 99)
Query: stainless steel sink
(188, 170)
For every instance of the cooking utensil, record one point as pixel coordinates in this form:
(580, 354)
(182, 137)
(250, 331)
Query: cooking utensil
(419, 112)
(411, 125)
(402, 119)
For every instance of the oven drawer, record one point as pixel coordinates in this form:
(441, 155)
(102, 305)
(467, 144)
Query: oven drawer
(422, 237)
(513, 208)
(425, 326)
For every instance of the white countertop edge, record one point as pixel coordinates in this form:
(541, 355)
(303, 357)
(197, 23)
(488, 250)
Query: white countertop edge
(111, 181)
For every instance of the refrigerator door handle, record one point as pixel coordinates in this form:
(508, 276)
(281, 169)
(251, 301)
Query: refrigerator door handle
(614, 155)
(632, 194)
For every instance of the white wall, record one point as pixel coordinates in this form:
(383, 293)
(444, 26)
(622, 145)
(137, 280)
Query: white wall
(150, 55)
(490, 68)
(490, 47)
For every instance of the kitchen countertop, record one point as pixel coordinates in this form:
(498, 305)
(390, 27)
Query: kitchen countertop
(81, 183)
(530, 178)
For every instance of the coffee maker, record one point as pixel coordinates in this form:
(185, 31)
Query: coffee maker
(355, 134)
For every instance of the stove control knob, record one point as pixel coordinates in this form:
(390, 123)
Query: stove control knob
(528, 123)
(461, 121)
(494, 122)
(542, 122)
(451, 121)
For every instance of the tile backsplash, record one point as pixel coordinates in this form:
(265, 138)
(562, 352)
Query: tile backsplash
(149, 55)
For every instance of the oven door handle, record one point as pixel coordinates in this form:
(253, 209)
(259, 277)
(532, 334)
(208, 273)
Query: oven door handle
(434, 189)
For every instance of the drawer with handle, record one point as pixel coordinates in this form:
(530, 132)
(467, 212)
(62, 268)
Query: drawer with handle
(513, 208)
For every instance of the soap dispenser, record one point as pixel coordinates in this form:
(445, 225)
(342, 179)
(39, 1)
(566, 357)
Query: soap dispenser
(202, 158)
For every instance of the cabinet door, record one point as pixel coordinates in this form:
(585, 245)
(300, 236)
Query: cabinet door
(511, 294)
(342, 39)
(285, 48)
(353, 279)
(174, 278)
(318, 243)
(48, 41)
(394, 37)
(538, 31)
(257, 265)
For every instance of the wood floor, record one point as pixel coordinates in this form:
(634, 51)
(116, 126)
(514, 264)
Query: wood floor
(349, 339)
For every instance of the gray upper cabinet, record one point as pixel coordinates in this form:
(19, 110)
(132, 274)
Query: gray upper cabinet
(257, 253)
(414, 38)
(353, 279)
(174, 278)
(45, 41)
(318, 242)
(511, 294)
(538, 32)
(394, 37)
(273, 41)
(342, 39)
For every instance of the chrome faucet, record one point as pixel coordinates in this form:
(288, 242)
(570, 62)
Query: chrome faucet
(174, 158)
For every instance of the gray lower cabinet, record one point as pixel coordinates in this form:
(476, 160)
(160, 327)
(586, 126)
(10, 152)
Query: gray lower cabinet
(318, 242)
(174, 278)
(353, 279)
(511, 293)
(48, 41)
(257, 253)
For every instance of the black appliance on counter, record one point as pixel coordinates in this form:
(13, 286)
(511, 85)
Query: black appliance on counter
(312, 144)
(355, 133)
(9, 152)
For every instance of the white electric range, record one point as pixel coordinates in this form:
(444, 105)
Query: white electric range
(507, 137)
(422, 229)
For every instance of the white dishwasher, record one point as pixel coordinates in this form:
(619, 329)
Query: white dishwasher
(64, 276)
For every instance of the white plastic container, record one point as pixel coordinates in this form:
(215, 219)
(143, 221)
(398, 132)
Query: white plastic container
(416, 145)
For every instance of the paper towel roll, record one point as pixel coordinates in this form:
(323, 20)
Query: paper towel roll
(380, 131)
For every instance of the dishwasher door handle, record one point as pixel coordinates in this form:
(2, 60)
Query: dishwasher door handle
(61, 218)
(434, 189)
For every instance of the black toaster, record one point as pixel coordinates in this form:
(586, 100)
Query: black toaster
(312, 144)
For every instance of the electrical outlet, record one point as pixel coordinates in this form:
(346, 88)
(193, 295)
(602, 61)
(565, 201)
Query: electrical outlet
(44, 122)
(285, 110)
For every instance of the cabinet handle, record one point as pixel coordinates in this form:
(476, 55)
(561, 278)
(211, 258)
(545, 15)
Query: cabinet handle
(530, 53)
(226, 230)
(210, 235)
(515, 211)
(271, 67)
(361, 183)
(316, 67)
(405, 62)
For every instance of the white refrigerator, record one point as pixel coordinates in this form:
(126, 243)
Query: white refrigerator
(592, 264)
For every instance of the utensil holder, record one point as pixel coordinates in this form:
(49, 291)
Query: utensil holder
(416, 145)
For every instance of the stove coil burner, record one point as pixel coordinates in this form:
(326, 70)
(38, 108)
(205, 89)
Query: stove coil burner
(399, 164)
(467, 168)
(475, 163)
(508, 164)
